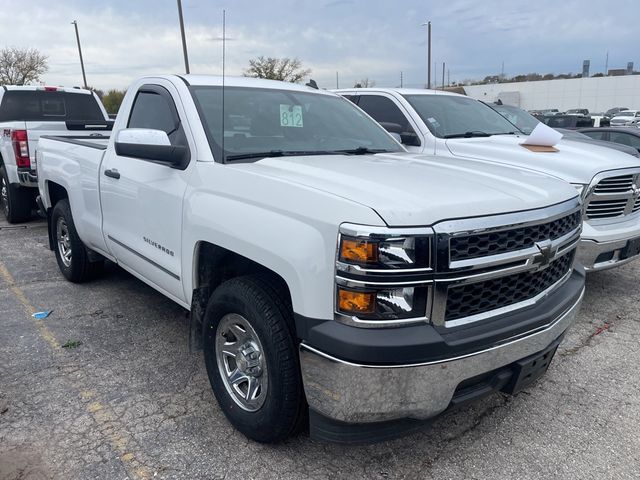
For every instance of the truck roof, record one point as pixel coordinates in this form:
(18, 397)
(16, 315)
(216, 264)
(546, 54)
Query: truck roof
(401, 91)
(35, 88)
(236, 81)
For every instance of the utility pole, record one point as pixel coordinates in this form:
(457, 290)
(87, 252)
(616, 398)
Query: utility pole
(84, 77)
(502, 71)
(428, 24)
(184, 40)
(443, 64)
(337, 84)
(606, 65)
(401, 79)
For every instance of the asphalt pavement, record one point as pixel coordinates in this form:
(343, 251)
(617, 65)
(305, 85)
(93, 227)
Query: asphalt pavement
(105, 387)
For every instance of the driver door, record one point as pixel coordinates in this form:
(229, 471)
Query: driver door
(142, 200)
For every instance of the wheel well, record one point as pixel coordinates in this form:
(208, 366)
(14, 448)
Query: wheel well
(215, 265)
(56, 193)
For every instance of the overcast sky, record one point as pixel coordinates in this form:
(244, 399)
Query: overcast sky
(123, 39)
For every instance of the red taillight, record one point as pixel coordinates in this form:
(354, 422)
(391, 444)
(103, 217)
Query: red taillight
(50, 89)
(21, 148)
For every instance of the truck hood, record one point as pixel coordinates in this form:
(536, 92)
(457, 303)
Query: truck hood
(575, 162)
(418, 190)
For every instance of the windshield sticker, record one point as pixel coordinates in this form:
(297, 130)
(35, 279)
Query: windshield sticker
(290, 115)
(433, 122)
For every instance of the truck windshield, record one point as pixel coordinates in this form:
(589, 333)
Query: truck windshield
(49, 106)
(521, 119)
(449, 116)
(261, 122)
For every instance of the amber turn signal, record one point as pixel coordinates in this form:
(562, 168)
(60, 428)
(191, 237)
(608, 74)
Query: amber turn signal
(356, 302)
(360, 251)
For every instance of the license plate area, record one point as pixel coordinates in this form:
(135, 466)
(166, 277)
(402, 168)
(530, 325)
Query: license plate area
(631, 249)
(530, 369)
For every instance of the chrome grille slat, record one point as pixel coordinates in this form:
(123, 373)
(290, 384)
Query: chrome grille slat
(612, 197)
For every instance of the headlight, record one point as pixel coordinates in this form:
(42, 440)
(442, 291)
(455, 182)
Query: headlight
(383, 251)
(382, 304)
(382, 275)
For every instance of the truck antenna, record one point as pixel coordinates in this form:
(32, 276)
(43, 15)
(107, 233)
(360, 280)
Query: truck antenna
(224, 39)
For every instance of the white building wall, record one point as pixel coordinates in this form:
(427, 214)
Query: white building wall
(597, 94)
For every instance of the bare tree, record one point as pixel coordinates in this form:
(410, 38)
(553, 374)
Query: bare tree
(285, 69)
(21, 66)
(365, 83)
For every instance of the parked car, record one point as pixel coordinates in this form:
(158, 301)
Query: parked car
(627, 136)
(599, 120)
(456, 126)
(322, 264)
(578, 111)
(567, 121)
(525, 122)
(612, 112)
(26, 113)
(627, 118)
(578, 136)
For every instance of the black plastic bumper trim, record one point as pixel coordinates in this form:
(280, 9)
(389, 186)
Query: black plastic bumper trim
(426, 343)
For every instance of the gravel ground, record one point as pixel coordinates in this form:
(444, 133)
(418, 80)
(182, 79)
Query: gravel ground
(106, 387)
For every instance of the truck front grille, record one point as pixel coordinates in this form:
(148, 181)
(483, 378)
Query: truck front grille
(480, 245)
(613, 197)
(494, 265)
(480, 297)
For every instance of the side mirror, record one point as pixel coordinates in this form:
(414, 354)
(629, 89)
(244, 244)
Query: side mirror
(406, 138)
(391, 127)
(152, 145)
(410, 139)
(396, 136)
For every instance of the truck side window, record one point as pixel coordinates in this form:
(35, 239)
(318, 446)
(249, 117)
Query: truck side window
(155, 111)
(387, 113)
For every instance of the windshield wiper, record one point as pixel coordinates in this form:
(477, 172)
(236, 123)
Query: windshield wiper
(475, 133)
(277, 153)
(362, 151)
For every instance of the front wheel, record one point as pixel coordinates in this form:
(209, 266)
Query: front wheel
(252, 361)
(71, 254)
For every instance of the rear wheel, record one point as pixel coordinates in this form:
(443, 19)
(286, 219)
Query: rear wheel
(252, 361)
(71, 254)
(16, 201)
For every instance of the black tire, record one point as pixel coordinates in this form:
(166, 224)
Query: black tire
(269, 313)
(76, 267)
(16, 201)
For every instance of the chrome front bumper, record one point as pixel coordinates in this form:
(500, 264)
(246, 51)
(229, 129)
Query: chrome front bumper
(354, 393)
(589, 251)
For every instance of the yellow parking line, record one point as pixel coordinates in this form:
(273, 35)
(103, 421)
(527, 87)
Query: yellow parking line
(101, 414)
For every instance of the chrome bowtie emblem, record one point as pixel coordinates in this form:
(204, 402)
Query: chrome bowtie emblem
(546, 255)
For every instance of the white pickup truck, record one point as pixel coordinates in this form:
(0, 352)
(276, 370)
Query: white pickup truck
(455, 126)
(26, 113)
(322, 264)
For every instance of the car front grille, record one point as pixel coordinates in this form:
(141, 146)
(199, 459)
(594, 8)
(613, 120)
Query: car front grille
(493, 265)
(480, 245)
(480, 297)
(613, 197)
